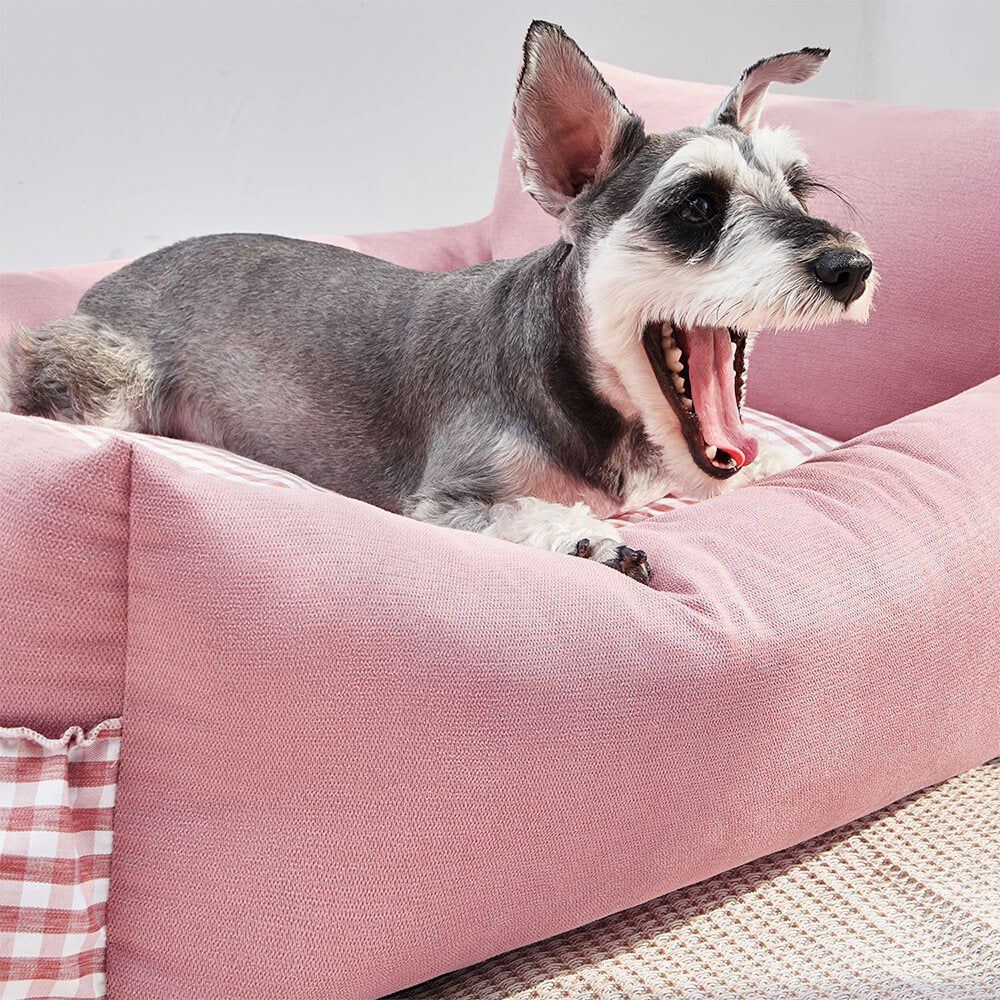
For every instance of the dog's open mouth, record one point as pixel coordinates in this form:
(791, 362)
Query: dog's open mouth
(700, 371)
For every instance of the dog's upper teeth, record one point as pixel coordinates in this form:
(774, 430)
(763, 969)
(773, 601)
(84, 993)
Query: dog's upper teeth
(732, 349)
(678, 382)
(673, 356)
(686, 402)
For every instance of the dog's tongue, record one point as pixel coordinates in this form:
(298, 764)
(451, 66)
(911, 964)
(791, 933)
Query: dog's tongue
(713, 392)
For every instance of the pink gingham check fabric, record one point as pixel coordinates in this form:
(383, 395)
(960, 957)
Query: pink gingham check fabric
(56, 802)
(216, 462)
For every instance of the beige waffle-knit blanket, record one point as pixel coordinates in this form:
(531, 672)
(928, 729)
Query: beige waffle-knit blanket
(900, 905)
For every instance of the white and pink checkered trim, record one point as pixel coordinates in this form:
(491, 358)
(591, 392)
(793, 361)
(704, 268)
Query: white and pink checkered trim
(227, 465)
(56, 802)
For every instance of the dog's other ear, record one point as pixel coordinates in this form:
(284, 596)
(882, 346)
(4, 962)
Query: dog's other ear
(743, 105)
(571, 131)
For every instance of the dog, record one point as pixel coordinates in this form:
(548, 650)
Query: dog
(524, 399)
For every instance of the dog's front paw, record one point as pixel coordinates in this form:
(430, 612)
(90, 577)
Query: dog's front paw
(610, 552)
(631, 562)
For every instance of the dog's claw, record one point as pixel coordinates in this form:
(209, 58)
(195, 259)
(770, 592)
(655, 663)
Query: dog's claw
(631, 562)
(609, 552)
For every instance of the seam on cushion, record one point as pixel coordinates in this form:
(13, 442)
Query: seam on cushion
(126, 648)
(128, 575)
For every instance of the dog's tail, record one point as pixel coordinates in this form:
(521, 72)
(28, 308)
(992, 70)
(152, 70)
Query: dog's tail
(78, 370)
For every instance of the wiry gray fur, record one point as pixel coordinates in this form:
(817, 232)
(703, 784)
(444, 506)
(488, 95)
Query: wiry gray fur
(471, 398)
(364, 377)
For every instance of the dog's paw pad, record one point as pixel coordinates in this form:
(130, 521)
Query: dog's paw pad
(631, 562)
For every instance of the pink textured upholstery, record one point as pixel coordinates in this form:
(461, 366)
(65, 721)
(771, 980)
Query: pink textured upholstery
(63, 541)
(929, 218)
(32, 297)
(424, 249)
(360, 751)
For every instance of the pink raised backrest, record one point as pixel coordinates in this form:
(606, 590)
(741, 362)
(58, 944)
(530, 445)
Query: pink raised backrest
(925, 186)
(31, 297)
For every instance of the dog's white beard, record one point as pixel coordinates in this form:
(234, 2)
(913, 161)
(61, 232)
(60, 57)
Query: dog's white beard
(626, 289)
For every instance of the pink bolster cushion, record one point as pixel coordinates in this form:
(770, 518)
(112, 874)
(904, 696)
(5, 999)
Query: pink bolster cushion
(360, 751)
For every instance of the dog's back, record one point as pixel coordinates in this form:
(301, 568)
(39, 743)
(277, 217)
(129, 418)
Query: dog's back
(292, 352)
(341, 367)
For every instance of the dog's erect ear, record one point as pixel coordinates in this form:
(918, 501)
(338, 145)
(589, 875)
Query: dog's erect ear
(571, 131)
(743, 105)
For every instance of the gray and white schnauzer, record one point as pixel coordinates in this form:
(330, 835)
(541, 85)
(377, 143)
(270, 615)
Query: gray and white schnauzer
(524, 399)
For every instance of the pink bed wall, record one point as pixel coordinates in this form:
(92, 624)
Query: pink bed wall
(360, 751)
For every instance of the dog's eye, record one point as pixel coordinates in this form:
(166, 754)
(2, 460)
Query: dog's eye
(700, 208)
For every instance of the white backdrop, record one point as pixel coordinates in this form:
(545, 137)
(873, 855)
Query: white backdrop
(127, 125)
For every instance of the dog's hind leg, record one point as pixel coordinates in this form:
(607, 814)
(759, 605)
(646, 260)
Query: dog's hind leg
(537, 523)
(79, 370)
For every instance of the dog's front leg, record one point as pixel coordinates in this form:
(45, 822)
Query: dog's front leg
(542, 525)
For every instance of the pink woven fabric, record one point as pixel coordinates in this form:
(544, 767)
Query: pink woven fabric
(932, 225)
(56, 796)
(427, 747)
(63, 548)
(424, 249)
(376, 758)
(56, 803)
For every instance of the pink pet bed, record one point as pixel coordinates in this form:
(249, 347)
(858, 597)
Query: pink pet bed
(357, 751)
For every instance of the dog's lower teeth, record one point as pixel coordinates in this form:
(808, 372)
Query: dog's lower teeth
(711, 451)
(678, 384)
(686, 402)
(673, 357)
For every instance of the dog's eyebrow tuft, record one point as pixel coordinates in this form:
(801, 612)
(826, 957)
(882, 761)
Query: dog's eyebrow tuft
(702, 154)
(774, 150)
(801, 182)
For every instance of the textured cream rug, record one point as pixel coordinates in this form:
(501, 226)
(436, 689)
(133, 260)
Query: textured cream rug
(900, 905)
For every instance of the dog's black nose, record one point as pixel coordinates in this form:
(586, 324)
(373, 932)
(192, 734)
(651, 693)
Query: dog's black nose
(843, 273)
